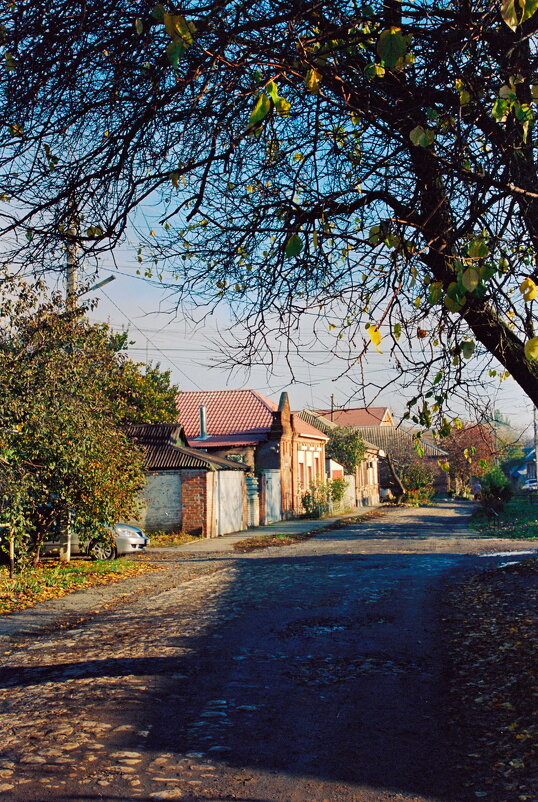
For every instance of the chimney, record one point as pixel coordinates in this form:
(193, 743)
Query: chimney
(203, 423)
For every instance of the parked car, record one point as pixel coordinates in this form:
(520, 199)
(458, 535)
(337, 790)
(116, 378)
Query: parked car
(530, 484)
(125, 539)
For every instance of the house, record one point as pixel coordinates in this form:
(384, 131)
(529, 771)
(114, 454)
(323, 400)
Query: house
(525, 470)
(357, 416)
(285, 453)
(186, 489)
(398, 445)
(363, 486)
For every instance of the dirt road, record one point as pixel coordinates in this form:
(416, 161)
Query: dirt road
(311, 672)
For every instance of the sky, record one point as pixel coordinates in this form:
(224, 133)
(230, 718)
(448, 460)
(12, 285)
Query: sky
(159, 334)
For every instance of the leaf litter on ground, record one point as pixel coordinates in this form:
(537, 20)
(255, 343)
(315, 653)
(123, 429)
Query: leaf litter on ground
(493, 646)
(52, 579)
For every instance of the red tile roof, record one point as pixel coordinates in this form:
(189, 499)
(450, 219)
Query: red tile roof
(303, 428)
(359, 416)
(229, 413)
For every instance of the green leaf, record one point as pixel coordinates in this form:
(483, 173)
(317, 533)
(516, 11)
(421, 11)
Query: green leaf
(374, 71)
(260, 110)
(436, 292)
(397, 331)
(500, 109)
(272, 91)
(177, 26)
(478, 249)
(508, 13)
(467, 349)
(375, 235)
(529, 8)
(470, 279)
(158, 13)
(422, 137)
(392, 46)
(282, 107)
(294, 246)
(175, 52)
(531, 348)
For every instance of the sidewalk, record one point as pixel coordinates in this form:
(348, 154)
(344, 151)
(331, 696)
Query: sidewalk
(226, 542)
(78, 604)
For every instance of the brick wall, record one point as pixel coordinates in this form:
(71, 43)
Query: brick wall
(194, 507)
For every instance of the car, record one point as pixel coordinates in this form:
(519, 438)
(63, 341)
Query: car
(530, 484)
(125, 539)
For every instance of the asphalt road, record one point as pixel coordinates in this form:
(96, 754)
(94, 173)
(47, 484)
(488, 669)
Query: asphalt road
(311, 672)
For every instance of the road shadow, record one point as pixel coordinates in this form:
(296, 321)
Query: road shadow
(328, 666)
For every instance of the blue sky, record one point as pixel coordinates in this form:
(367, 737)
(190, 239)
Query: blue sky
(162, 335)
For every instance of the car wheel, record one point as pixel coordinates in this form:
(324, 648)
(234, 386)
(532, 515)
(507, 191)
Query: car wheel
(101, 550)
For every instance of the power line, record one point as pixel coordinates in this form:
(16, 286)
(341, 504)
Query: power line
(155, 347)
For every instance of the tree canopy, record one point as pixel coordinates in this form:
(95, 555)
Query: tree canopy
(346, 446)
(67, 392)
(366, 166)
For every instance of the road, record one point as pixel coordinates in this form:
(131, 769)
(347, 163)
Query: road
(309, 672)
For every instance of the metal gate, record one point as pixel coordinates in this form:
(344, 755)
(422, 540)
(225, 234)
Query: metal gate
(229, 501)
(273, 496)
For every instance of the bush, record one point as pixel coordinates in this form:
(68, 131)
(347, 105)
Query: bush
(321, 496)
(418, 483)
(338, 489)
(496, 489)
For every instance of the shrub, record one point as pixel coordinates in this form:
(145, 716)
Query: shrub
(320, 497)
(496, 489)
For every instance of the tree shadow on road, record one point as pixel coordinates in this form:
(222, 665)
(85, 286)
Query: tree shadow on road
(309, 666)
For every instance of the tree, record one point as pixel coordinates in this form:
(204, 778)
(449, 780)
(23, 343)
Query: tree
(67, 391)
(371, 165)
(346, 446)
(471, 450)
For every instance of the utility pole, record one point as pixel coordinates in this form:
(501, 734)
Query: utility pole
(70, 305)
(71, 272)
(332, 407)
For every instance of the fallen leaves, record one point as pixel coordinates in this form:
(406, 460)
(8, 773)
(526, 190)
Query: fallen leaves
(494, 676)
(53, 579)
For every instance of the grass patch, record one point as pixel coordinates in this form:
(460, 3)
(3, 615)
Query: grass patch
(518, 521)
(170, 538)
(53, 579)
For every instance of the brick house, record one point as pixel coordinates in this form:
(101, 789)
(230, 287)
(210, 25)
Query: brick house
(186, 489)
(285, 453)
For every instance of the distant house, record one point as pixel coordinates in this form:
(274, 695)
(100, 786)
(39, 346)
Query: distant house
(186, 489)
(358, 416)
(398, 446)
(525, 470)
(363, 486)
(285, 453)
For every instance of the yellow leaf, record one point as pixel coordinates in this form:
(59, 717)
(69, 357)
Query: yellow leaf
(312, 81)
(470, 279)
(531, 348)
(375, 337)
(528, 289)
